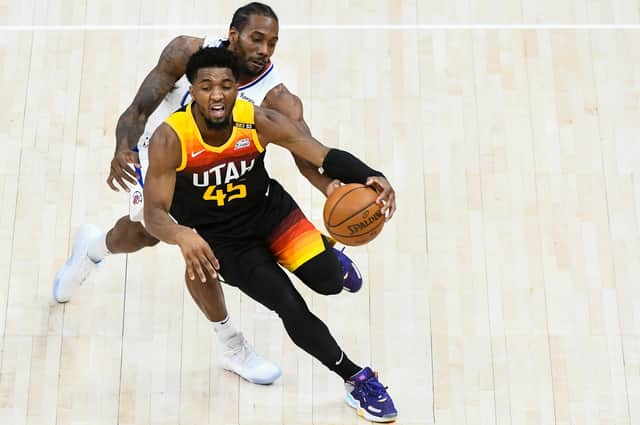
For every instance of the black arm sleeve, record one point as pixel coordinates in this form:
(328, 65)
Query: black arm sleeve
(347, 168)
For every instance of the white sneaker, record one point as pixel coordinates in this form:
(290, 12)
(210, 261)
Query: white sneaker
(78, 267)
(239, 357)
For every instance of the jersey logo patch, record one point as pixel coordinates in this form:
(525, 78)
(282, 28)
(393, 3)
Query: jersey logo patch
(242, 143)
(137, 197)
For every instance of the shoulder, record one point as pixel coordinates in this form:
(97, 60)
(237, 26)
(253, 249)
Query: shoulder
(279, 93)
(176, 54)
(188, 44)
(283, 101)
(165, 135)
(165, 144)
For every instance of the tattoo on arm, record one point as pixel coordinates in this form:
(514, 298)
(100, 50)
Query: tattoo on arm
(160, 81)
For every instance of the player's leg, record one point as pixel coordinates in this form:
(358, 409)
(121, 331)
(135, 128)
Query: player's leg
(363, 390)
(252, 268)
(125, 237)
(255, 272)
(91, 246)
(237, 355)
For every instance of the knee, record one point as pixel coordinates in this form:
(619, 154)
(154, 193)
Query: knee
(128, 236)
(331, 286)
(324, 272)
(147, 240)
(325, 280)
(141, 236)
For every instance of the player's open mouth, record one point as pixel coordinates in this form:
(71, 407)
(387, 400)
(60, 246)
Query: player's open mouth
(217, 111)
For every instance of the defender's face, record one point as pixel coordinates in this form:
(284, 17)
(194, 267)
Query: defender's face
(255, 45)
(214, 92)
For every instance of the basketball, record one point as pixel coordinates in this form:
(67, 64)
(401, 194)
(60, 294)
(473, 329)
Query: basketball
(352, 216)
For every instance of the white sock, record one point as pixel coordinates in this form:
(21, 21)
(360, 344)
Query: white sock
(225, 329)
(98, 248)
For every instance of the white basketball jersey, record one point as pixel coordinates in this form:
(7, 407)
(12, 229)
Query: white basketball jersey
(254, 91)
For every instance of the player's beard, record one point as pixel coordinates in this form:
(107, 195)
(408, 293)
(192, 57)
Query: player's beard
(244, 62)
(222, 125)
(249, 72)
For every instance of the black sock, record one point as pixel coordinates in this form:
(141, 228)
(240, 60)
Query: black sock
(345, 367)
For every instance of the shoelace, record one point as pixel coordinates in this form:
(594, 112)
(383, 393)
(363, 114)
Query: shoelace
(374, 387)
(240, 346)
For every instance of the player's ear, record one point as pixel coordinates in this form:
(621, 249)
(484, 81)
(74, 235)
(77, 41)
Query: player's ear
(233, 35)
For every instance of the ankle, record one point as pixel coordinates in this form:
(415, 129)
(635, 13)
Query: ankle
(97, 249)
(225, 329)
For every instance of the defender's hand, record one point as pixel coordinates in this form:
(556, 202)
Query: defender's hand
(387, 195)
(198, 255)
(121, 170)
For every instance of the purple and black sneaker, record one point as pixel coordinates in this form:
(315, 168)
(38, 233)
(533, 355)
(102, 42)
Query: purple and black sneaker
(369, 397)
(352, 279)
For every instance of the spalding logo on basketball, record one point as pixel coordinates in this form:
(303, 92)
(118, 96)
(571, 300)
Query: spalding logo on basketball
(352, 216)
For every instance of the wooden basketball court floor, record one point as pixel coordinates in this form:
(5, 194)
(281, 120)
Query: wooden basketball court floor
(505, 290)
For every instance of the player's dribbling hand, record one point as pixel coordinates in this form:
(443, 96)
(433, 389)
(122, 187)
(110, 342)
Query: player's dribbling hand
(387, 196)
(198, 255)
(121, 170)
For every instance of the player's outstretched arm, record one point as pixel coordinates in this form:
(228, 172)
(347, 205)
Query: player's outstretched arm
(165, 155)
(274, 127)
(288, 104)
(157, 84)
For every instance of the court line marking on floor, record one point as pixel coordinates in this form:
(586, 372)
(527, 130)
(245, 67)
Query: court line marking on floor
(321, 27)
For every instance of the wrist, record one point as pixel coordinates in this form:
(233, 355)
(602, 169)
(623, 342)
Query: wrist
(347, 168)
(122, 147)
(331, 186)
(181, 234)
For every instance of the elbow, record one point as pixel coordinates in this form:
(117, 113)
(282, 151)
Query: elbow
(132, 116)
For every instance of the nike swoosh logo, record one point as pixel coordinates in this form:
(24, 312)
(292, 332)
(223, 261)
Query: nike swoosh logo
(194, 154)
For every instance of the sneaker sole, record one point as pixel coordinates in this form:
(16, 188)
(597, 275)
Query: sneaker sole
(258, 381)
(363, 413)
(56, 283)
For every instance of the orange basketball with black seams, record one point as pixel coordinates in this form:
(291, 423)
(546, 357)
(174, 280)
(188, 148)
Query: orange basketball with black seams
(352, 216)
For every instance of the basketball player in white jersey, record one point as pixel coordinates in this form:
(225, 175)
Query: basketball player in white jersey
(253, 35)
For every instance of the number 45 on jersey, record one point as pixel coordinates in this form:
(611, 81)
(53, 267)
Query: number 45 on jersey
(221, 196)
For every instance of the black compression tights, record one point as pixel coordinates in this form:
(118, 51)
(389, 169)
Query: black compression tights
(267, 283)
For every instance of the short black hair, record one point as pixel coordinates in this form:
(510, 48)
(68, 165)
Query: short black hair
(242, 15)
(212, 57)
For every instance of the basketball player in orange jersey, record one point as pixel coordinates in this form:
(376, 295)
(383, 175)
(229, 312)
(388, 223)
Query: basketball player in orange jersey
(253, 35)
(226, 214)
